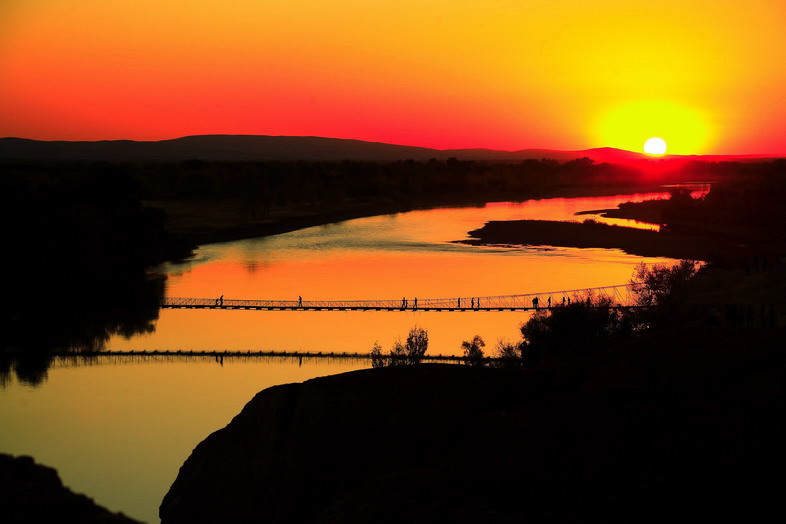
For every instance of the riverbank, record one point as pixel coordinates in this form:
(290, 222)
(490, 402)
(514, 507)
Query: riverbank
(685, 243)
(638, 430)
(210, 221)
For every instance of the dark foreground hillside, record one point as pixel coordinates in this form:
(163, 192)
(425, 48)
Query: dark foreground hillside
(671, 426)
(32, 493)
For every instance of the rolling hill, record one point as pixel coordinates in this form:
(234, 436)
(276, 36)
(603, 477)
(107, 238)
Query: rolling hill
(287, 148)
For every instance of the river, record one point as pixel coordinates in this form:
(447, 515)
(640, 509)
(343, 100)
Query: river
(118, 430)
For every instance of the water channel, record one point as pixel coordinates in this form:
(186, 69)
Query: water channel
(118, 430)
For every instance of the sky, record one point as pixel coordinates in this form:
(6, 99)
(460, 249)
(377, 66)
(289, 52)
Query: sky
(707, 76)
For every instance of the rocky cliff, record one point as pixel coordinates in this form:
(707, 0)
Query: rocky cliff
(659, 429)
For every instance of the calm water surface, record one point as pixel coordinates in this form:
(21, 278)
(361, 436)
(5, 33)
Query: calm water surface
(118, 431)
(385, 257)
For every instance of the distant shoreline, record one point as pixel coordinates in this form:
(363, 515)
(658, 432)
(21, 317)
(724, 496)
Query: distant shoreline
(198, 224)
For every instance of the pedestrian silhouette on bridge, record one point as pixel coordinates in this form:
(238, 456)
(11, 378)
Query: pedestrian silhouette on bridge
(299, 301)
(473, 304)
(535, 302)
(563, 301)
(416, 302)
(477, 302)
(221, 300)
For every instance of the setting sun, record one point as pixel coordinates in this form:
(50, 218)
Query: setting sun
(631, 124)
(655, 146)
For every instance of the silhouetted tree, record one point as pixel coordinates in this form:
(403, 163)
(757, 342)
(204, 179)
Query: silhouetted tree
(377, 360)
(659, 285)
(571, 326)
(402, 354)
(508, 353)
(417, 344)
(473, 350)
(398, 354)
(660, 290)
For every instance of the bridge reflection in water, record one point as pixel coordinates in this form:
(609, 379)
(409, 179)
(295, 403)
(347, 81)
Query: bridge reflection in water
(623, 296)
(70, 359)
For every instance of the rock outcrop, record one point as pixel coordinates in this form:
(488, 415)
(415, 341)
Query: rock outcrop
(32, 493)
(660, 430)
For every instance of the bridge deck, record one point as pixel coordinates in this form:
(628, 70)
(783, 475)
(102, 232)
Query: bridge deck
(366, 308)
(621, 295)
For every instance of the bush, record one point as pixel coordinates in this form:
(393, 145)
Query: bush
(570, 326)
(377, 360)
(409, 353)
(398, 354)
(417, 344)
(507, 354)
(660, 285)
(473, 351)
(660, 291)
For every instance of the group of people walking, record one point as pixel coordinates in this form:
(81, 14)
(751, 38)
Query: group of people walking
(473, 304)
(565, 302)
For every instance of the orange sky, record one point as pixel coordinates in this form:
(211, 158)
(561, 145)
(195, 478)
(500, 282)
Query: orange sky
(708, 76)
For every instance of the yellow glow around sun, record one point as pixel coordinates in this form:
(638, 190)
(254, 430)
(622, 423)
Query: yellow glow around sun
(630, 125)
(655, 146)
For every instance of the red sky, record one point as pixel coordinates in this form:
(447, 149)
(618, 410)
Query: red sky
(708, 76)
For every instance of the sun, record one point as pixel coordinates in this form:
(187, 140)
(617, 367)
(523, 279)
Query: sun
(655, 146)
(629, 124)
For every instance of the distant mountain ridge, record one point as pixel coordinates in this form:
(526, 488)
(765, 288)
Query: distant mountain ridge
(288, 148)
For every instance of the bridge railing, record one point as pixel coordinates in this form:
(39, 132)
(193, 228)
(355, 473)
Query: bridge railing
(79, 359)
(623, 294)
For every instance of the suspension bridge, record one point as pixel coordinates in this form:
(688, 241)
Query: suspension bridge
(622, 297)
(88, 358)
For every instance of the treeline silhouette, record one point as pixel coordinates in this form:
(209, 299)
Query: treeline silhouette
(76, 272)
(743, 210)
(257, 188)
(752, 199)
(264, 185)
(743, 196)
(304, 182)
(686, 297)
